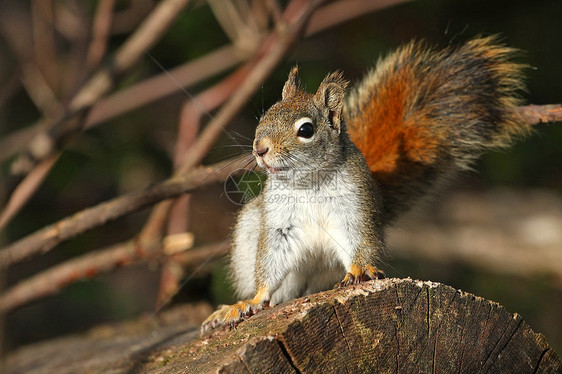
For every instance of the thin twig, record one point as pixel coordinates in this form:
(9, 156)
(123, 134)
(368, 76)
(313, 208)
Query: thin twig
(47, 238)
(89, 265)
(100, 33)
(260, 14)
(74, 18)
(39, 90)
(27, 187)
(274, 9)
(341, 11)
(178, 221)
(126, 20)
(44, 42)
(9, 88)
(16, 31)
(19, 34)
(85, 266)
(202, 253)
(237, 23)
(69, 20)
(152, 89)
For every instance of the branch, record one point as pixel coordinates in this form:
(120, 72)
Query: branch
(272, 50)
(223, 58)
(160, 86)
(202, 253)
(127, 19)
(100, 33)
(136, 96)
(86, 266)
(128, 54)
(89, 265)
(237, 22)
(39, 90)
(43, 143)
(341, 11)
(44, 45)
(26, 188)
(535, 114)
(511, 232)
(47, 238)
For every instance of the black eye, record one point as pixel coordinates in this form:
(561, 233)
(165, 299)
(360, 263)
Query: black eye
(305, 130)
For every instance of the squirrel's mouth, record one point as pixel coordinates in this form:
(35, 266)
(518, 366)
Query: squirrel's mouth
(271, 169)
(274, 170)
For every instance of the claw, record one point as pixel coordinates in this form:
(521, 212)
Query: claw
(357, 275)
(228, 316)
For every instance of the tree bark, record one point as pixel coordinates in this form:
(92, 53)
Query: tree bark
(390, 325)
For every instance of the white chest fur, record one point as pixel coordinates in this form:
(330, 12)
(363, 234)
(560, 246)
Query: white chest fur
(314, 219)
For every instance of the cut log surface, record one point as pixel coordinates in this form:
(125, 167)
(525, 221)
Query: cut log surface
(390, 325)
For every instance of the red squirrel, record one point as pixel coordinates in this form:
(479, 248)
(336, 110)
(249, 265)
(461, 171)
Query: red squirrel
(340, 170)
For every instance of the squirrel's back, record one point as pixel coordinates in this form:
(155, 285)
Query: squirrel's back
(424, 113)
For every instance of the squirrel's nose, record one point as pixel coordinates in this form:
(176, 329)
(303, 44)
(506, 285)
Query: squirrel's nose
(262, 151)
(260, 148)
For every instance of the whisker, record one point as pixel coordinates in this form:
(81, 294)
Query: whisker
(227, 156)
(226, 165)
(233, 146)
(241, 136)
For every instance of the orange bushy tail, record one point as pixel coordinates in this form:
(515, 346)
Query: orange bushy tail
(423, 114)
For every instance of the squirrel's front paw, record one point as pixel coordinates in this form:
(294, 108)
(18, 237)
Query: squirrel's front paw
(231, 315)
(360, 274)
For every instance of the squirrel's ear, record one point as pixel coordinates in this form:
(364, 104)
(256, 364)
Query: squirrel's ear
(291, 87)
(330, 95)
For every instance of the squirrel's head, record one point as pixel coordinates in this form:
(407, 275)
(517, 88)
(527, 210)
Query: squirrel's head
(303, 129)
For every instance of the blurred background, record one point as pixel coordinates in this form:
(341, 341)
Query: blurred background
(496, 233)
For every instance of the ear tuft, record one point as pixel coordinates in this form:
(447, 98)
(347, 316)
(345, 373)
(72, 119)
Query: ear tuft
(330, 96)
(292, 85)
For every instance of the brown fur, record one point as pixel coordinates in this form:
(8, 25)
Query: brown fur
(424, 113)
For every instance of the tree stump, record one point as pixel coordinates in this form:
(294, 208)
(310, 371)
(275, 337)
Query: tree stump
(389, 325)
